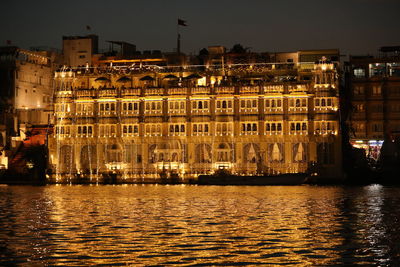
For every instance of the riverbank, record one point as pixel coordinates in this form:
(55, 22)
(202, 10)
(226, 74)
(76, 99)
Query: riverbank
(34, 179)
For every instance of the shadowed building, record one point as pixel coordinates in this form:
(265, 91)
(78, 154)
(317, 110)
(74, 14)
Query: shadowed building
(26, 94)
(374, 85)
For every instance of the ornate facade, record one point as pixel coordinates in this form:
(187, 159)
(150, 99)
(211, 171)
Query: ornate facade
(248, 118)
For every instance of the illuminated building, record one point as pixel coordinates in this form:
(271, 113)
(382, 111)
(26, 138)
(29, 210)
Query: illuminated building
(142, 120)
(374, 85)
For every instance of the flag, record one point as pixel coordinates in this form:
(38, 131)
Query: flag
(88, 27)
(182, 22)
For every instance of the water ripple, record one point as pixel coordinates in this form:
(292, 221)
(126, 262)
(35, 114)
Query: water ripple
(199, 226)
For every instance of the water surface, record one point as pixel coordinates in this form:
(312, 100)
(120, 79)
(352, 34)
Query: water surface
(199, 225)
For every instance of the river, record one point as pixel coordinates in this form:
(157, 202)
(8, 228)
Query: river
(144, 225)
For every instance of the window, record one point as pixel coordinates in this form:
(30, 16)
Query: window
(249, 128)
(248, 105)
(273, 104)
(177, 129)
(152, 129)
(273, 128)
(200, 106)
(377, 69)
(359, 108)
(376, 90)
(130, 107)
(130, 130)
(63, 131)
(84, 131)
(359, 73)
(325, 127)
(224, 106)
(358, 90)
(298, 104)
(200, 129)
(359, 127)
(107, 108)
(324, 103)
(224, 128)
(153, 107)
(298, 128)
(107, 130)
(394, 69)
(175, 107)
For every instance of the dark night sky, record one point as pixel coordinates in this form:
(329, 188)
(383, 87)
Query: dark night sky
(354, 26)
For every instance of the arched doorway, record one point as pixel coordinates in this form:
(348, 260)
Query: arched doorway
(251, 153)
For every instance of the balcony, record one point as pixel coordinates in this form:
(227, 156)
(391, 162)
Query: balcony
(130, 92)
(273, 89)
(107, 93)
(298, 88)
(86, 93)
(249, 90)
(224, 90)
(201, 90)
(154, 91)
(177, 91)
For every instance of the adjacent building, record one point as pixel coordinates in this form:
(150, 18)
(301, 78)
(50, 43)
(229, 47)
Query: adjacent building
(374, 84)
(26, 92)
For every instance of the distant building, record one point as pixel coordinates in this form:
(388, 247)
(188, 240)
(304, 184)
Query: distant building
(374, 85)
(78, 50)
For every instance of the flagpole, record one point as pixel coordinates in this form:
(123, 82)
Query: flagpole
(178, 41)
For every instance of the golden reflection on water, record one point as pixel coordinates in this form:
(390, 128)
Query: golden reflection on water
(188, 225)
